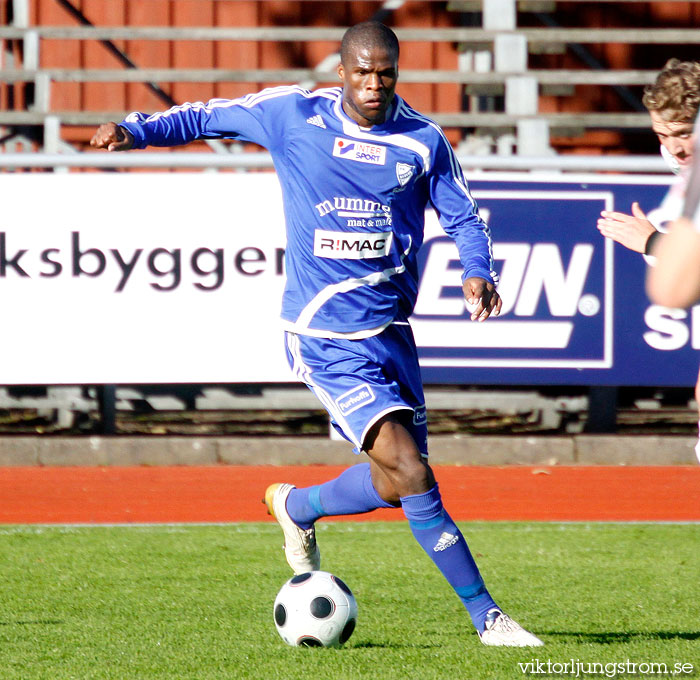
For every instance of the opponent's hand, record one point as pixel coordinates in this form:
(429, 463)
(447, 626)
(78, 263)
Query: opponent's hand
(631, 231)
(112, 137)
(482, 298)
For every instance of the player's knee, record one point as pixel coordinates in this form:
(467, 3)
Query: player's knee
(421, 477)
(404, 478)
(404, 470)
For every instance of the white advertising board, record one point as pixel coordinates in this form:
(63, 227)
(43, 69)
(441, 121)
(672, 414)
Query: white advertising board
(141, 278)
(122, 278)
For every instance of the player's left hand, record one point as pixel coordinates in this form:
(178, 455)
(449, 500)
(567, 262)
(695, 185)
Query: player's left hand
(482, 298)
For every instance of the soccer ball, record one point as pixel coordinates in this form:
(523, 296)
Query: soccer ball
(315, 609)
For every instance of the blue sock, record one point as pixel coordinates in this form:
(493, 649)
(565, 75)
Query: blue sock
(438, 535)
(351, 493)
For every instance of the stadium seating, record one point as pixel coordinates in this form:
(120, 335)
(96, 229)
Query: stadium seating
(514, 85)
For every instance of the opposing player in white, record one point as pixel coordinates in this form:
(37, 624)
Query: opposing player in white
(674, 281)
(672, 102)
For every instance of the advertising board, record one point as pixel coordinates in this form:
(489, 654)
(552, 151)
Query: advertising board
(122, 278)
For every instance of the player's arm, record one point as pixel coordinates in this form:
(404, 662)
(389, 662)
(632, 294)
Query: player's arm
(632, 231)
(675, 280)
(459, 217)
(252, 118)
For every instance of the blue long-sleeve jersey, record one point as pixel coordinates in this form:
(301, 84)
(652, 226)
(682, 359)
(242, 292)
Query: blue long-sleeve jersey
(354, 200)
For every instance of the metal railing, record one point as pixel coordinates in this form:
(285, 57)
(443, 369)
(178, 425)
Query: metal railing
(534, 36)
(295, 75)
(482, 119)
(260, 160)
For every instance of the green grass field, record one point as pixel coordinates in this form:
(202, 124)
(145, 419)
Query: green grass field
(183, 602)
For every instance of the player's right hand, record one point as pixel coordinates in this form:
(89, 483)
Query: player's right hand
(482, 298)
(112, 137)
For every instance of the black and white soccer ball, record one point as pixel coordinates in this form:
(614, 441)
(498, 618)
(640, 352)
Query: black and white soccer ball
(315, 609)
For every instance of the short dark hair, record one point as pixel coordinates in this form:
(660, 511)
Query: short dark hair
(369, 34)
(675, 94)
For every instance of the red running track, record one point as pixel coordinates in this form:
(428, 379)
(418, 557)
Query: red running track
(50, 495)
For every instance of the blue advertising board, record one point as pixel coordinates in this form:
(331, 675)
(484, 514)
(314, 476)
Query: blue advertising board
(575, 311)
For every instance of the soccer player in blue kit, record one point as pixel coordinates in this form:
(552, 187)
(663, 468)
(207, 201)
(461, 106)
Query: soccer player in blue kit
(358, 167)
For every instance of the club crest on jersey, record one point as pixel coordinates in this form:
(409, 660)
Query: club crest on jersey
(404, 172)
(363, 152)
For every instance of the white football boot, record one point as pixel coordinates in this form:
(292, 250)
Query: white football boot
(300, 547)
(502, 631)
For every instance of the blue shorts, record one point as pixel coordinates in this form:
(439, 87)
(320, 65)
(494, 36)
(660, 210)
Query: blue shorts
(360, 381)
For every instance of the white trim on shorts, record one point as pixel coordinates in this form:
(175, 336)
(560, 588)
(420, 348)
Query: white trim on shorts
(303, 373)
(381, 414)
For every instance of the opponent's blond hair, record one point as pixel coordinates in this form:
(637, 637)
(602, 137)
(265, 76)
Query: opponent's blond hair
(675, 94)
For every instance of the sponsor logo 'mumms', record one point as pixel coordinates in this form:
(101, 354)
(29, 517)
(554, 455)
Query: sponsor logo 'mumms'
(353, 207)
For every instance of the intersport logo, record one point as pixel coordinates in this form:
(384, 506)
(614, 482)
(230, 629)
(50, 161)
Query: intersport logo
(354, 150)
(163, 268)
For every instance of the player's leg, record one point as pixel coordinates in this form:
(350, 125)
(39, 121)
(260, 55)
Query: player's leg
(355, 392)
(297, 510)
(401, 471)
(351, 493)
(374, 394)
(408, 476)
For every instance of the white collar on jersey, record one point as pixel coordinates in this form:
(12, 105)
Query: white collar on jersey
(352, 129)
